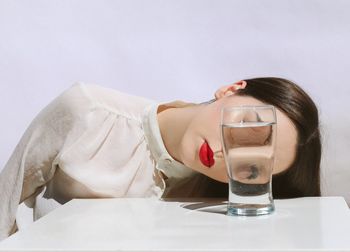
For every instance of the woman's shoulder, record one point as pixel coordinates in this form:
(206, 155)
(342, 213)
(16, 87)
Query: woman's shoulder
(110, 98)
(115, 100)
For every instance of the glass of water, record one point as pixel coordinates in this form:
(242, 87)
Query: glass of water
(248, 135)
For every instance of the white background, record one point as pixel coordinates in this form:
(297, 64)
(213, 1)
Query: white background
(184, 49)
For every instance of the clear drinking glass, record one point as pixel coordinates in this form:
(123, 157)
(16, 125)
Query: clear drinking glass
(248, 135)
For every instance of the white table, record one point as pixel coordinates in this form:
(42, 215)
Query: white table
(304, 224)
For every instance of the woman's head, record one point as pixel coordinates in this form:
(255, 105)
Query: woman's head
(302, 177)
(298, 146)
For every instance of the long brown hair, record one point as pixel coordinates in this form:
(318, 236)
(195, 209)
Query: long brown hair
(302, 178)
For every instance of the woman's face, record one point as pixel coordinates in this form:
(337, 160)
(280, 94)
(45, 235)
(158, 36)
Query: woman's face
(205, 126)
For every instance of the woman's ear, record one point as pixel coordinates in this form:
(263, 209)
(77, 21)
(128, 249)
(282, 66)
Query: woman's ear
(230, 89)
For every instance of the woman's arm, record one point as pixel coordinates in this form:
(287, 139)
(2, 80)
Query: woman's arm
(31, 164)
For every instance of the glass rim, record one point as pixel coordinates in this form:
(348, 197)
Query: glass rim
(237, 107)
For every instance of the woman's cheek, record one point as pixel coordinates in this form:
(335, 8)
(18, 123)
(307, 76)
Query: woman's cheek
(222, 174)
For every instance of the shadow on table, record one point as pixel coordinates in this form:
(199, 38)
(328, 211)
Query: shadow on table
(209, 205)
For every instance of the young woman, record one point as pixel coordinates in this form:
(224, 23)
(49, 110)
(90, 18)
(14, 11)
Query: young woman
(97, 142)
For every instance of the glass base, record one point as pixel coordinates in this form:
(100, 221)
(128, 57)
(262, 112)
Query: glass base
(249, 210)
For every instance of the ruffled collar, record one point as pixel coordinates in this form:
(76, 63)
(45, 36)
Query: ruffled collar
(166, 163)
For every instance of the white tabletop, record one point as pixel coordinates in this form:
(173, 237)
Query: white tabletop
(134, 224)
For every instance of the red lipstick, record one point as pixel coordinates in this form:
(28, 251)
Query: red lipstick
(206, 155)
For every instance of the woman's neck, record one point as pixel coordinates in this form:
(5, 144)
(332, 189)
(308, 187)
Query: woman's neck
(173, 123)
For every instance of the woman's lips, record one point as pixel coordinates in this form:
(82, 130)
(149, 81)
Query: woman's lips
(206, 155)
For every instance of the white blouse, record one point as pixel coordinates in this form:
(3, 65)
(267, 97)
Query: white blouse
(89, 142)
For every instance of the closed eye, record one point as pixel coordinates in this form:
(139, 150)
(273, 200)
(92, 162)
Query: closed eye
(254, 172)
